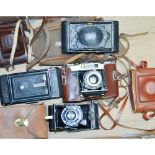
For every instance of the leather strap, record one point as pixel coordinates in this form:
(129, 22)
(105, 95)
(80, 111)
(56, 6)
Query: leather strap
(123, 36)
(30, 38)
(43, 52)
(15, 39)
(38, 32)
(106, 112)
(148, 117)
(142, 64)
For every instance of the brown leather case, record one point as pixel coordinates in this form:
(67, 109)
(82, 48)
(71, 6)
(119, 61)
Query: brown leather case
(142, 89)
(70, 86)
(35, 116)
(71, 90)
(6, 42)
(111, 83)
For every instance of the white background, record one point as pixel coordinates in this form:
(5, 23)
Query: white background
(70, 8)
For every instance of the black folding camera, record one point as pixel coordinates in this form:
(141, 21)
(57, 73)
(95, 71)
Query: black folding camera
(99, 36)
(73, 116)
(30, 86)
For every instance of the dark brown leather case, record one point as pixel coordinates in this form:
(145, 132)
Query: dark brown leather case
(71, 90)
(70, 86)
(142, 89)
(6, 42)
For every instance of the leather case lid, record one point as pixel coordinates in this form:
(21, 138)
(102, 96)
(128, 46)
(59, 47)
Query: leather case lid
(35, 114)
(111, 83)
(142, 89)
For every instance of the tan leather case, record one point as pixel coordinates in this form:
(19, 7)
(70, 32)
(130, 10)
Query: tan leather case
(142, 89)
(33, 114)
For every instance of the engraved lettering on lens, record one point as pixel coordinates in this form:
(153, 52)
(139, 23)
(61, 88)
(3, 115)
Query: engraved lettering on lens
(93, 80)
(72, 115)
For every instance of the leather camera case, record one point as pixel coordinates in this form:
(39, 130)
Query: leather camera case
(71, 90)
(6, 42)
(142, 89)
(34, 124)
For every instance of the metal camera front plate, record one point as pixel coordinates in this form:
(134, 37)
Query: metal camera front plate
(89, 66)
(86, 66)
(98, 31)
(30, 85)
(72, 115)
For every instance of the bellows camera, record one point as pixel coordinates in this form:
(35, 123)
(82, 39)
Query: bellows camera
(73, 117)
(99, 36)
(89, 80)
(30, 86)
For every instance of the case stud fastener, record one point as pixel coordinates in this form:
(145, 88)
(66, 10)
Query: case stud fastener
(21, 122)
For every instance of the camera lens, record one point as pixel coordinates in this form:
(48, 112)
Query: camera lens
(90, 36)
(72, 115)
(92, 80)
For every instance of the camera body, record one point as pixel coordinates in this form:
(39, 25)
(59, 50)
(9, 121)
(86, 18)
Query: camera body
(30, 86)
(89, 81)
(73, 117)
(96, 36)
